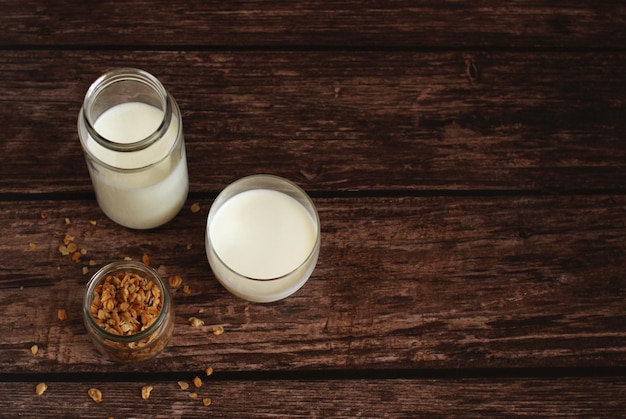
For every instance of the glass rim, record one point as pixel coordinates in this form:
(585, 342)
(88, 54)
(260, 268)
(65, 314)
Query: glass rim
(277, 179)
(99, 276)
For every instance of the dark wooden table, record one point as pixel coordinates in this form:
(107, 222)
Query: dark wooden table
(468, 161)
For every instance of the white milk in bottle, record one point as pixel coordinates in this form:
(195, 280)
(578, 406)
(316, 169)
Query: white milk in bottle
(135, 151)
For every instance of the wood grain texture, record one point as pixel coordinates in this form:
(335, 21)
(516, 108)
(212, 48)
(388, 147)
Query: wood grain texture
(469, 167)
(525, 397)
(369, 121)
(450, 23)
(442, 282)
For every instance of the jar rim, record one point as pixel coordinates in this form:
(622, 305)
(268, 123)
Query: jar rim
(100, 276)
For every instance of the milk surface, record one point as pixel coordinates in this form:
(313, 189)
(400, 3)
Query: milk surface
(138, 198)
(263, 234)
(129, 123)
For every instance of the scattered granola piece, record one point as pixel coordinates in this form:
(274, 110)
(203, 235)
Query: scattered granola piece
(68, 221)
(186, 289)
(218, 330)
(34, 349)
(200, 310)
(76, 257)
(95, 394)
(71, 247)
(62, 314)
(127, 258)
(188, 246)
(195, 207)
(83, 251)
(197, 382)
(206, 401)
(32, 246)
(93, 222)
(41, 387)
(68, 239)
(175, 281)
(63, 250)
(183, 385)
(196, 322)
(209, 371)
(43, 215)
(85, 270)
(145, 392)
(193, 395)
(92, 262)
(21, 287)
(145, 259)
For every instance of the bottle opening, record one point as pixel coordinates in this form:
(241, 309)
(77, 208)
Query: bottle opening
(126, 110)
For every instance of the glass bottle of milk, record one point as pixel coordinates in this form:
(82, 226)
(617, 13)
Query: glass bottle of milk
(131, 132)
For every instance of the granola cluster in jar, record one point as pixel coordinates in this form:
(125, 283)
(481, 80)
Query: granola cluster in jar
(127, 311)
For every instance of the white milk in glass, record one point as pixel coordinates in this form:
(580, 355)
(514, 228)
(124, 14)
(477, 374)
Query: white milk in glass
(263, 244)
(138, 198)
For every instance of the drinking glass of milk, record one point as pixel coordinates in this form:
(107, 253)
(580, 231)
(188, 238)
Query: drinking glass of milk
(262, 238)
(131, 133)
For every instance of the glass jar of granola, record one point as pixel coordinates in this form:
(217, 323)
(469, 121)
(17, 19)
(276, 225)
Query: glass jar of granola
(127, 310)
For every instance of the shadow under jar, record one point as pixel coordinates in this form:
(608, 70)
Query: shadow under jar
(127, 310)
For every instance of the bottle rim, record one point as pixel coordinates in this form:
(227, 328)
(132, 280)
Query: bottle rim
(118, 75)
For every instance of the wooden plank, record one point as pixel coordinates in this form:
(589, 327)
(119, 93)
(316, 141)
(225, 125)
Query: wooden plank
(336, 122)
(434, 282)
(348, 23)
(571, 397)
